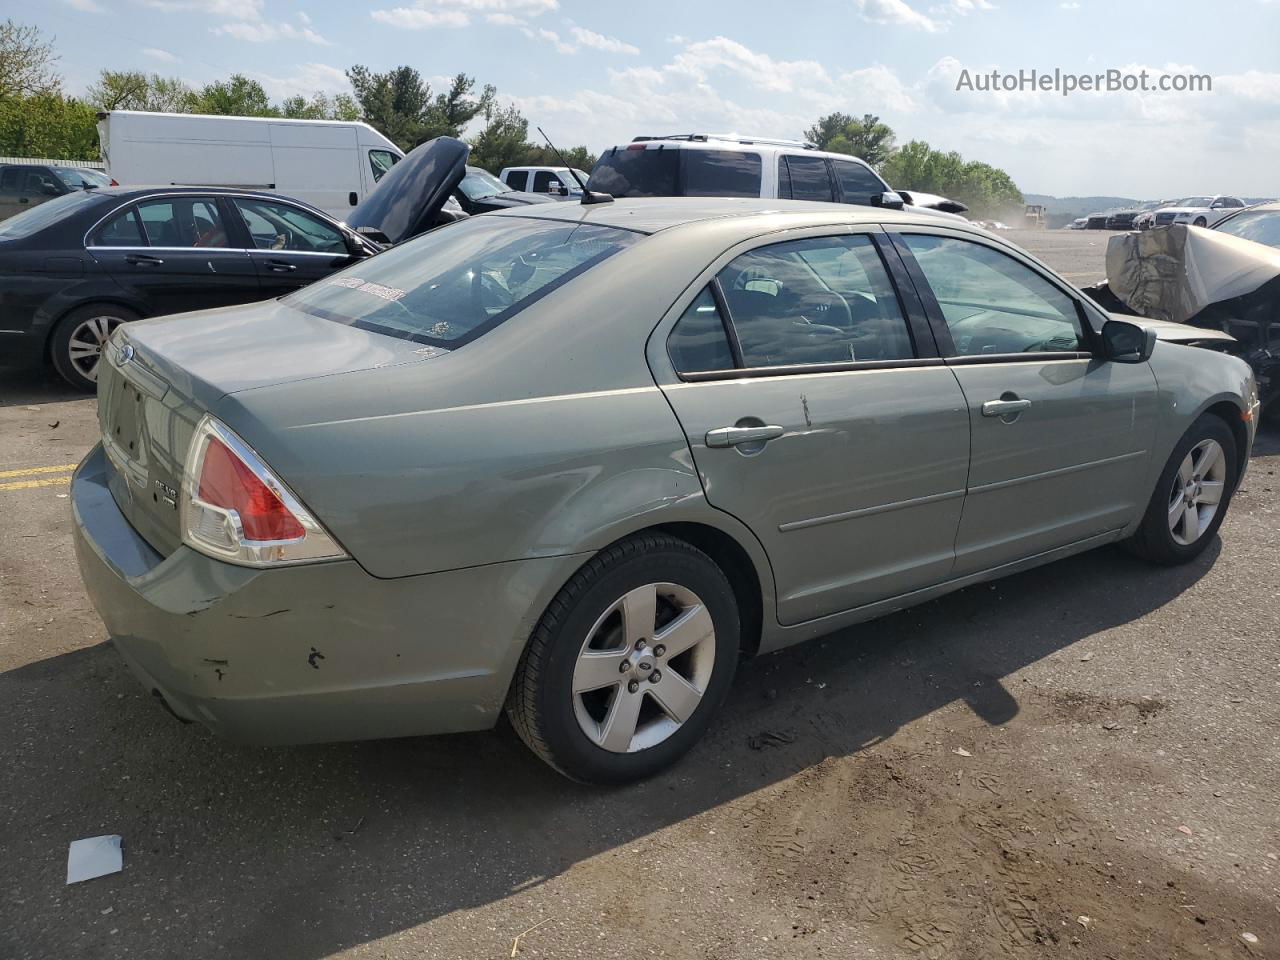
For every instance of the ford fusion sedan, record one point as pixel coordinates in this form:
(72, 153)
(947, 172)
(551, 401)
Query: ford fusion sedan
(572, 462)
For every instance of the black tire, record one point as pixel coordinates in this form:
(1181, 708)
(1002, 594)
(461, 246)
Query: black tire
(1200, 222)
(1154, 539)
(72, 369)
(541, 704)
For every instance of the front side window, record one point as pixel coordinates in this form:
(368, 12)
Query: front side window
(449, 286)
(698, 341)
(992, 303)
(41, 183)
(183, 222)
(280, 226)
(122, 230)
(380, 161)
(857, 183)
(542, 181)
(720, 173)
(810, 179)
(1261, 226)
(817, 300)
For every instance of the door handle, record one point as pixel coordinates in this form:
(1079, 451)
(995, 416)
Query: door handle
(1002, 408)
(279, 266)
(732, 436)
(142, 260)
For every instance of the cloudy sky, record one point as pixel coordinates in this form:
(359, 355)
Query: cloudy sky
(600, 73)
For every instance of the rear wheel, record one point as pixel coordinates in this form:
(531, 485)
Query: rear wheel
(629, 663)
(1200, 222)
(79, 339)
(1192, 495)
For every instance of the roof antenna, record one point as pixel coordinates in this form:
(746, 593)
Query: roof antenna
(588, 196)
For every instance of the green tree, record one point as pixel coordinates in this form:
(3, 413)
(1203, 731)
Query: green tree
(502, 142)
(238, 96)
(27, 62)
(988, 191)
(867, 138)
(396, 102)
(135, 90)
(48, 125)
(320, 107)
(449, 113)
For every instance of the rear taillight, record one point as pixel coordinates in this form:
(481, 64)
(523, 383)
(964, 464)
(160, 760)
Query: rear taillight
(235, 509)
(114, 182)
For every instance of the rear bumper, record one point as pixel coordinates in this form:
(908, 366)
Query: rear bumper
(311, 653)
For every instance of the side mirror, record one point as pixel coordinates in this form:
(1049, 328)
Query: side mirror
(889, 200)
(1125, 342)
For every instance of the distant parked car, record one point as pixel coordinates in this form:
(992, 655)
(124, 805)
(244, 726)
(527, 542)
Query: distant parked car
(75, 268)
(1122, 219)
(23, 185)
(481, 192)
(709, 165)
(1197, 211)
(1260, 223)
(555, 181)
(1079, 223)
(1096, 221)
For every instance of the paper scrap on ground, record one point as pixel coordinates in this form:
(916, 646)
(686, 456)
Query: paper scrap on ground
(94, 857)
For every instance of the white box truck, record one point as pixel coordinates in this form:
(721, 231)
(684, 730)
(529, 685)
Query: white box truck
(331, 164)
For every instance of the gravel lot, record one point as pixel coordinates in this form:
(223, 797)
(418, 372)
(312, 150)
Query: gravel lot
(1081, 761)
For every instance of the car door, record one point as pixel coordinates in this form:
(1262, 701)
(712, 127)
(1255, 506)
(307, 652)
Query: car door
(858, 184)
(1060, 437)
(818, 414)
(290, 247)
(173, 254)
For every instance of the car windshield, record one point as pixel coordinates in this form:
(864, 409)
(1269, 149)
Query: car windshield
(79, 178)
(37, 218)
(478, 184)
(1261, 226)
(1194, 202)
(453, 284)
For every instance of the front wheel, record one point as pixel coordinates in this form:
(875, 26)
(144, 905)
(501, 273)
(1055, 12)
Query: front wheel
(79, 339)
(1200, 222)
(1191, 496)
(629, 663)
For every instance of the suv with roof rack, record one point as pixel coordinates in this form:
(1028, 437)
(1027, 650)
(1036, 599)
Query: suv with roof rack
(716, 165)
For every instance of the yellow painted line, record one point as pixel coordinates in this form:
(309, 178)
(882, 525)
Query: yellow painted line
(29, 484)
(32, 471)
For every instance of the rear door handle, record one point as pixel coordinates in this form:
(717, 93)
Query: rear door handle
(1002, 408)
(732, 436)
(142, 260)
(279, 266)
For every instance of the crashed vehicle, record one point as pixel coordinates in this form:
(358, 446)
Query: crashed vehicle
(1225, 286)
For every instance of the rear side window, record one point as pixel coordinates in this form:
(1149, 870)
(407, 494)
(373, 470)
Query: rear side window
(183, 222)
(698, 341)
(992, 303)
(720, 173)
(817, 300)
(449, 286)
(857, 183)
(810, 179)
(637, 172)
(518, 180)
(122, 230)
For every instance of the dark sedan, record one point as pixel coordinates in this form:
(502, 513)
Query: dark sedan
(76, 267)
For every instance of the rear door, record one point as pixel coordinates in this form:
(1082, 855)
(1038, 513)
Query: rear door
(819, 415)
(1061, 438)
(174, 254)
(806, 178)
(290, 247)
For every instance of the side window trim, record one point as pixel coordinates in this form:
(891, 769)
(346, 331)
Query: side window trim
(726, 320)
(937, 321)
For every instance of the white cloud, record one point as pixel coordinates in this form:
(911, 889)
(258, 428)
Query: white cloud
(598, 41)
(86, 6)
(699, 60)
(898, 13)
(232, 9)
(1070, 5)
(264, 31)
(554, 39)
(425, 14)
(155, 53)
(307, 79)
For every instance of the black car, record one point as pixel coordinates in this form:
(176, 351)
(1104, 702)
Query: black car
(74, 268)
(1122, 219)
(480, 192)
(1096, 221)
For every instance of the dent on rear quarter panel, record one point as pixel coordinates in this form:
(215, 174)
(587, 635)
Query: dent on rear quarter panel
(538, 439)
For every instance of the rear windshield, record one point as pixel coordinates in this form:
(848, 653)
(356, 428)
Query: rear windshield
(668, 172)
(37, 218)
(453, 284)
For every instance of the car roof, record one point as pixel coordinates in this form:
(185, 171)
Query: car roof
(653, 214)
(762, 147)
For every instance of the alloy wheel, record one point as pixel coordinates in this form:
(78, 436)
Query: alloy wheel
(87, 342)
(1197, 491)
(644, 667)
